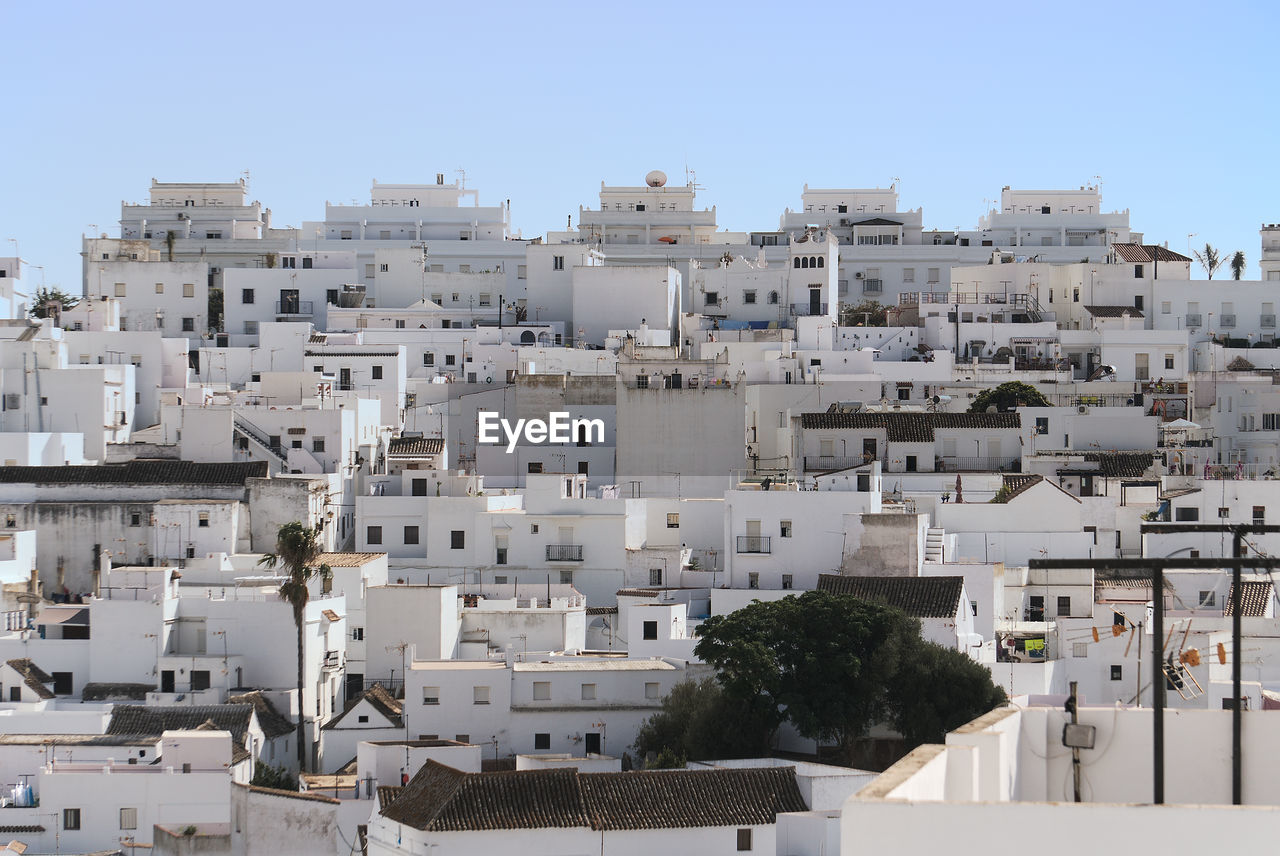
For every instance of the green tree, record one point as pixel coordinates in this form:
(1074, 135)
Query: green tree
(937, 690)
(297, 552)
(267, 776)
(215, 309)
(1008, 396)
(828, 664)
(699, 722)
(1210, 259)
(49, 301)
(1237, 264)
(869, 312)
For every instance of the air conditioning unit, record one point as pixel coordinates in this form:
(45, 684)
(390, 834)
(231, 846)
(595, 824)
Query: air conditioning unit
(1082, 408)
(858, 275)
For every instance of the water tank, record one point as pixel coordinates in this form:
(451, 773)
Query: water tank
(657, 178)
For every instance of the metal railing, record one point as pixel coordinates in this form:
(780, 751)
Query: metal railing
(1193, 320)
(294, 307)
(802, 309)
(978, 464)
(239, 423)
(755, 544)
(564, 552)
(832, 462)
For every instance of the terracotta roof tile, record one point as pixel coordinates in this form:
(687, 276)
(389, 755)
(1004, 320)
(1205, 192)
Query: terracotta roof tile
(138, 472)
(1255, 597)
(1114, 311)
(919, 597)
(415, 447)
(271, 721)
(348, 560)
(33, 676)
(911, 427)
(1139, 253)
(115, 692)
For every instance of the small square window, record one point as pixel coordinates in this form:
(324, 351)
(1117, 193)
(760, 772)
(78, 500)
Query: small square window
(1117, 673)
(533, 529)
(650, 630)
(744, 840)
(203, 521)
(373, 535)
(1079, 649)
(588, 692)
(457, 539)
(480, 695)
(430, 695)
(788, 581)
(784, 529)
(542, 741)
(652, 690)
(1224, 513)
(542, 690)
(428, 358)
(377, 372)
(655, 576)
(748, 297)
(362, 719)
(673, 520)
(128, 818)
(159, 288)
(411, 534)
(70, 818)
(135, 518)
(1064, 607)
(317, 444)
(188, 289)
(535, 466)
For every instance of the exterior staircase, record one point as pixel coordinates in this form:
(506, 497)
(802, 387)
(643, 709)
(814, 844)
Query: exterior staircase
(933, 541)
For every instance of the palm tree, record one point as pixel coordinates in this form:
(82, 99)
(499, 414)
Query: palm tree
(1237, 265)
(1210, 259)
(297, 551)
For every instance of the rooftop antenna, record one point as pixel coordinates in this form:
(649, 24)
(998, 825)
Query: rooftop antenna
(245, 173)
(462, 178)
(1098, 183)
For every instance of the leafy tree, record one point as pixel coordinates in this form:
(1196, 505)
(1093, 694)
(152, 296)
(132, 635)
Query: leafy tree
(829, 665)
(297, 552)
(1007, 396)
(699, 722)
(267, 776)
(1237, 264)
(937, 690)
(46, 300)
(1210, 259)
(215, 309)
(872, 312)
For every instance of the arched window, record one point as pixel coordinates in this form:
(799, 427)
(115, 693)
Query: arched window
(822, 262)
(773, 297)
(804, 262)
(528, 337)
(797, 262)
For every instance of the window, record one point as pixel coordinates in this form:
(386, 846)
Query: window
(120, 292)
(588, 692)
(642, 381)
(711, 298)
(362, 719)
(1117, 673)
(428, 358)
(199, 680)
(655, 576)
(1224, 513)
(62, 684)
(753, 580)
(1064, 607)
(159, 288)
(788, 581)
(1259, 515)
(203, 521)
(744, 840)
(748, 297)
(522, 271)
(933, 274)
(1137, 271)
(462, 738)
(430, 695)
(1168, 362)
(449, 359)
(535, 466)
(542, 690)
(357, 634)
(1207, 598)
(377, 372)
(188, 325)
(70, 818)
(533, 529)
(1042, 424)
(1079, 649)
(480, 695)
(908, 274)
(307, 262)
(411, 534)
(542, 741)
(1186, 515)
(773, 298)
(457, 539)
(317, 444)
(673, 520)
(188, 289)
(135, 518)
(500, 558)
(128, 818)
(373, 535)
(557, 262)
(652, 690)
(251, 328)
(784, 529)
(213, 236)
(486, 300)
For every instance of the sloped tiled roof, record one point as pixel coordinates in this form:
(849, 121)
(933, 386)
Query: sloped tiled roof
(1255, 597)
(1124, 465)
(381, 700)
(271, 721)
(415, 447)
(1140, 253)
(877, 221)
(443, 799)
(919, 597)
(913, 427)
(115, 692)
(347, 560)
(667, 799)
(1019, 484)
(33, 676)
(138, 472)
(387, 794)
(154, 720)
(1114, 311)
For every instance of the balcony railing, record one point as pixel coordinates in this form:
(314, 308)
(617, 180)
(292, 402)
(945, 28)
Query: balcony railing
(832, 462)
(332, 659)
(1193, 320)
(1227, 320)
(1002, 464)
(1267, 321)
(294, 307)
(755, 544)
(802, 309)
(564, 552)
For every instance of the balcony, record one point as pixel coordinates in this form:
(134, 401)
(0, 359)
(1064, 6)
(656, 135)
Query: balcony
(821, 463)
(564, 552)
(955, 464)
(803, 309)
(332, 660)
(1193, 320)
(1227, 320)
(1267, 322)
(754, 544)
(294, 307)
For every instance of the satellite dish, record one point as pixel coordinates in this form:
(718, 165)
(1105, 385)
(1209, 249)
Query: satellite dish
(657, 178)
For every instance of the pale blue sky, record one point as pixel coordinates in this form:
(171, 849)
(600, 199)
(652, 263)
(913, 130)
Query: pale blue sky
(1174, 105)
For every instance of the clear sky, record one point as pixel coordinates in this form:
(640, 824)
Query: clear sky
(1175, 105)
